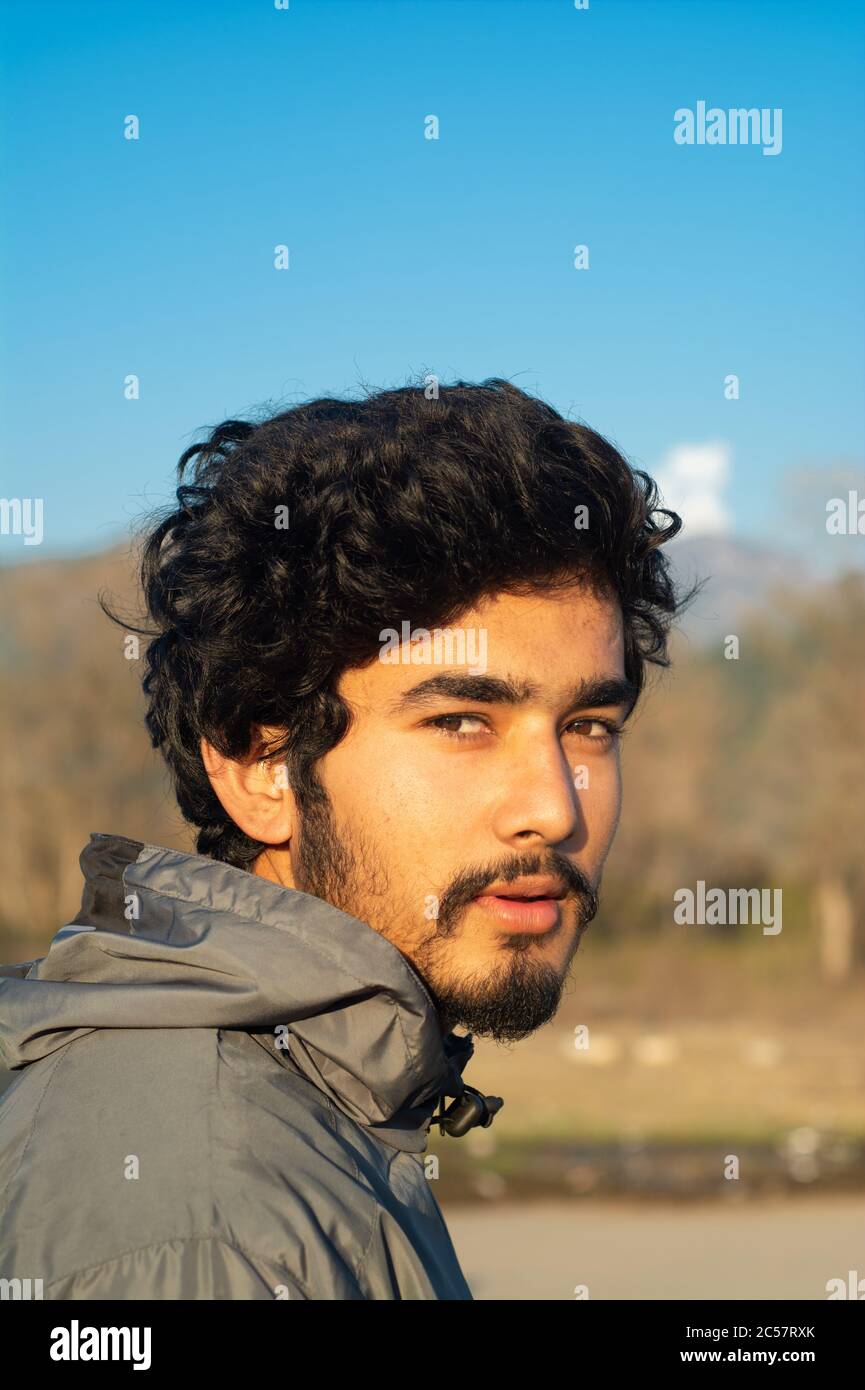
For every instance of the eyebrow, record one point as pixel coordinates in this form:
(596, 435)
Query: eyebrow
(495, 690)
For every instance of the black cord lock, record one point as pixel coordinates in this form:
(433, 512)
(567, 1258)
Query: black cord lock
(470, 1109)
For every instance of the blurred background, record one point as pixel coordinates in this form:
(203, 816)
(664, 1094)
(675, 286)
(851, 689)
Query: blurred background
(715, 333)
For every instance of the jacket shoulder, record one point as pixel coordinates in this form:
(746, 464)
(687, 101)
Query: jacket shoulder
(175, 1154)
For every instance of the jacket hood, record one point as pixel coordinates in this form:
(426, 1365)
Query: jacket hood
(166, 939)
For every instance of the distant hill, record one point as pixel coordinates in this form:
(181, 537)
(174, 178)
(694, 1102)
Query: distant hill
(740, 576)
(76, 755)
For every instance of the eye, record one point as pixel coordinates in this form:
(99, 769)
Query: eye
(601, 731)
(449, 720)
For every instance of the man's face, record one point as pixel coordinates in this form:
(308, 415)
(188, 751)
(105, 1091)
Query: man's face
(451, 787)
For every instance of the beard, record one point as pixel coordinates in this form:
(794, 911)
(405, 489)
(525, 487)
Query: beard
(507, 1003)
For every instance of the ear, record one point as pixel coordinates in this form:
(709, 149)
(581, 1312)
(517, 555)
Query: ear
(254, 794)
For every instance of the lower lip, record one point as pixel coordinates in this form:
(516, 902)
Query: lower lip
(536, 916)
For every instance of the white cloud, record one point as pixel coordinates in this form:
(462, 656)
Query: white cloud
(693, 481)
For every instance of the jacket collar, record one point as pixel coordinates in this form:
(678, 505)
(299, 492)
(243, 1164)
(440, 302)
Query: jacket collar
(170, 939)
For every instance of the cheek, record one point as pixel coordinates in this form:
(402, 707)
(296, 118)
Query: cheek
(383, 792)
(602, 803)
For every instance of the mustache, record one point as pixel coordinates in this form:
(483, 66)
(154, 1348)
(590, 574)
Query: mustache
(470, 882)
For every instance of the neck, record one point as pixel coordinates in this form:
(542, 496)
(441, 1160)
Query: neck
(274, 864)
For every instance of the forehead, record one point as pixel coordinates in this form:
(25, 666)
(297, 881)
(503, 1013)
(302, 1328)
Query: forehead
(550, 640)
(546, 625)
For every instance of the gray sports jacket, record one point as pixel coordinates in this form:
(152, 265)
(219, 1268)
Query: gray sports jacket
(224, 1091)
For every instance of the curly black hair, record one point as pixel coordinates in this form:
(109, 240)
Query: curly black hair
(299, 538)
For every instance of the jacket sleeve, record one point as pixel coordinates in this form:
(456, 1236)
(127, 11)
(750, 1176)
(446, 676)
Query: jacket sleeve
(187, 1268)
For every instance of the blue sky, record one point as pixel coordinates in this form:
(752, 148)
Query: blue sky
(305, 127)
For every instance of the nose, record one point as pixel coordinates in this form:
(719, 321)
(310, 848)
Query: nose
(539, 804)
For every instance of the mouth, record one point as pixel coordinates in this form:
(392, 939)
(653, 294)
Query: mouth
(521, 913)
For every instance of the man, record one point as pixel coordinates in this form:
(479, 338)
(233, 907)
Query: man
(394, 645)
